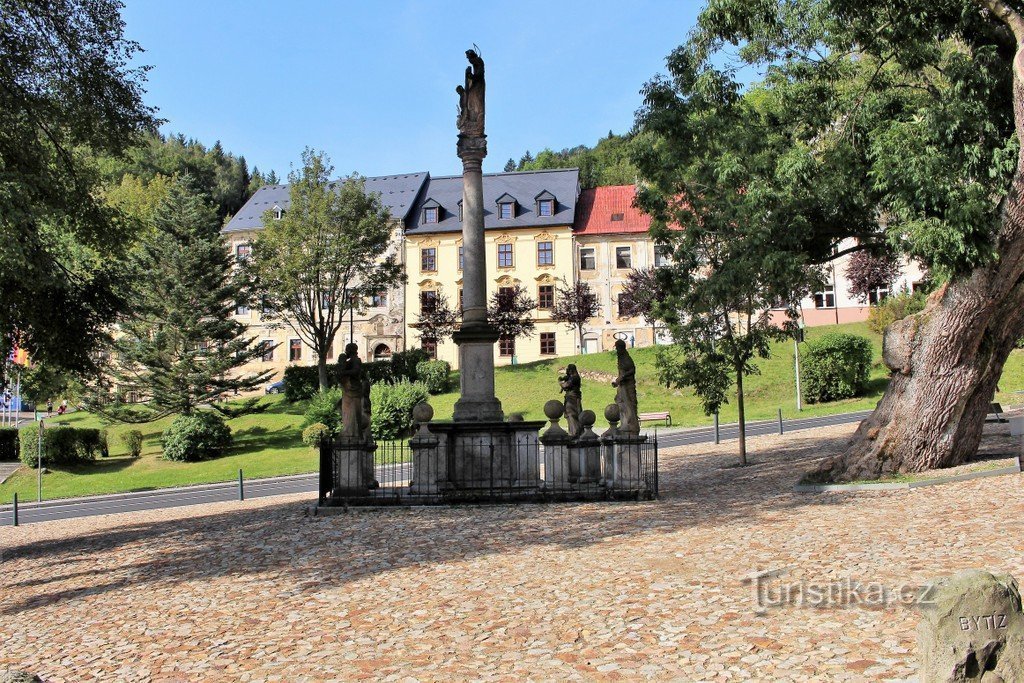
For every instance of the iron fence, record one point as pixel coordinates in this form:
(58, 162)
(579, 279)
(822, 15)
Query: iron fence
(487, 468)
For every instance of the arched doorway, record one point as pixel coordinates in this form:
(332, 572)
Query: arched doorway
(381, 352)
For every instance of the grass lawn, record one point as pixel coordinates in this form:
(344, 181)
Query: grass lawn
(270, 443)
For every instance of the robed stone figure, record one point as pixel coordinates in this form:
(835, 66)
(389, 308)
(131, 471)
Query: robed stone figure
(354, 396)
(471, 98)
(571, 384)
(625, 394)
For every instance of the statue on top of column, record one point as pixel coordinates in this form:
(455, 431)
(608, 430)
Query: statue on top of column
(471, 98)
(625, 390)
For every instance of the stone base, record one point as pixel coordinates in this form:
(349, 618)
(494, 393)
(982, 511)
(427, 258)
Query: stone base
(585, 462)
(622, 462)
(489, 456)
(429, 465)
(353, 469)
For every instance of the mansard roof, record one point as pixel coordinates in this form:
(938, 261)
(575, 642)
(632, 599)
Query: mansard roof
(397, 192)
(447, 191)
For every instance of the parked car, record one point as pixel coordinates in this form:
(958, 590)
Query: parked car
(276, 388)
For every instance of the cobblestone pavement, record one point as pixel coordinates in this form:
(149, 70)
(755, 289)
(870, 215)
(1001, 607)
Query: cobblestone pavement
(259, 591)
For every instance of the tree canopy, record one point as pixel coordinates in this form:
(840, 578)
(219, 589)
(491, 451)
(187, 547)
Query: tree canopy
(606, 163)
(68, 92)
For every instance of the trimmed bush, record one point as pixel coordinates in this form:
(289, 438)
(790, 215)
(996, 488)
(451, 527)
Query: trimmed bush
(323, 409)
(894, 308)
(8, 443)
(132, 440)
(392, 408)
(403, 364)
(61, 445)
(435, 374)
(194, 437)
(301, 382)
(835, 367)
(379, 372)
(315, 433)
(104, 444)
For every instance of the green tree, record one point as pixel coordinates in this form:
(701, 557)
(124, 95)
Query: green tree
(575, 305)
(333, 245)
(67, 91)
(181, 348)
(509, 311)
(866, 111)
(437, 319)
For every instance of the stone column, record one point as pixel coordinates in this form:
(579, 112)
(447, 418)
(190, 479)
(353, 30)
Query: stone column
(556, 449)
(429, 467)
(476, 338)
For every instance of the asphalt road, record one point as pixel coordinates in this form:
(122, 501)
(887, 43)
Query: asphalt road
(29, 512)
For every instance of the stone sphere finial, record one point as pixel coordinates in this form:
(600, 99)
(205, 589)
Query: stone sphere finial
(588, 418)
(423, 412)
(554, 409)
(611, 412)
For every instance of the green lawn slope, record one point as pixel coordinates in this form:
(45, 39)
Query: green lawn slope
(269, 443)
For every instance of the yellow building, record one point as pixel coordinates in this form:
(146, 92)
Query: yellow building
(528, 223)
(378, 328)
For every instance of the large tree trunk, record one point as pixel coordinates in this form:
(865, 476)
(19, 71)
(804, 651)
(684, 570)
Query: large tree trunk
(946, 362)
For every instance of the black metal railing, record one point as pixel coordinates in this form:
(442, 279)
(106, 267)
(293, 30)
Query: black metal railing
(487, 468)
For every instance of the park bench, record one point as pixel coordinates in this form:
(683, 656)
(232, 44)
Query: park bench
(997, 410)
(647, 417)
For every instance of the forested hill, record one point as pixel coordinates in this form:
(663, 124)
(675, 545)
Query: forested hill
(137, 181)
(607, 163)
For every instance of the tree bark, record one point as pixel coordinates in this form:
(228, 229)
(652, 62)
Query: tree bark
(741, 417)
(947, 359)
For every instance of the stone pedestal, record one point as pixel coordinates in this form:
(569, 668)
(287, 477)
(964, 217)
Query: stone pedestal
(585, 453)
(972, 629)
(485, 457)
(352, 467)
(556, 449)
(428, 465)
(477, 402)
(623, 470)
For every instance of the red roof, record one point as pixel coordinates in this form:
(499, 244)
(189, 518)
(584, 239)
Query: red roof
(605, 210)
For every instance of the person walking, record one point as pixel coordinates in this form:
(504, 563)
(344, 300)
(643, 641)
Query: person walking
(49, 407)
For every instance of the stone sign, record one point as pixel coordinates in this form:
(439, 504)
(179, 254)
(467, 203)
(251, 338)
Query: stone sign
(972, 629)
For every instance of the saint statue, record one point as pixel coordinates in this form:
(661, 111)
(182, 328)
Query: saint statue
(353, 395)
(571, 386)
(625, 394)
(471, 98)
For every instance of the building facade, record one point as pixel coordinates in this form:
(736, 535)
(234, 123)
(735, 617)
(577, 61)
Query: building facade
(540, 231)
(611, 240)
(528, 223)
(377, 327)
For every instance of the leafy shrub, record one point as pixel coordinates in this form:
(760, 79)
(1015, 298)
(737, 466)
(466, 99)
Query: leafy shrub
(323, 409)
(93, 442)
(104, 444)
(61, 445)
(8, 443)
(392, 408)
(836, 366)
(301, 382)
(195, 437)
(315, 433)
(894, 308)
(132, 439)
(435, 374)
(379, 372)
(403, 364)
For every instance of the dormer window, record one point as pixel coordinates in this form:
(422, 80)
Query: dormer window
(431, 212)
(506, 207)
(545, 204)
(278, 212)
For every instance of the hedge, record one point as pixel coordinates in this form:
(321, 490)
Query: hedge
(836, 366)
(8, 443)
(894, 308)
(61, 445)
(302, 382)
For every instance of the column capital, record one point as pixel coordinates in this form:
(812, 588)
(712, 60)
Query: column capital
(472, 150)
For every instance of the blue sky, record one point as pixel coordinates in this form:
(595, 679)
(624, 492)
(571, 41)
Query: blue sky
(373, 83)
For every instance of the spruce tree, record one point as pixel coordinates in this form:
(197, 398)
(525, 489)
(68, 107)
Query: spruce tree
(181, 348)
